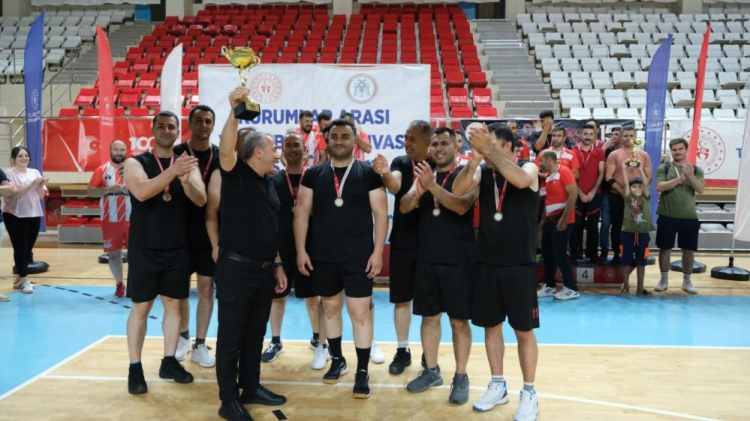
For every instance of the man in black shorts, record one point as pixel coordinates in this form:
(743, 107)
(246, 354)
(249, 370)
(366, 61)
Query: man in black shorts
(249, 269)
(404, 234)
(162, 186)
(506, 275)
(445, 262)
(201, 123)
(287, 183)
(343, 196)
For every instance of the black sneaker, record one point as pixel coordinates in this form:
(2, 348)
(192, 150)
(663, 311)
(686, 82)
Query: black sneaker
(361, 385)
(273, 351)
(234, 411)
(261, 396)
(401, 360)
(173, 370)
(136, 381)
(338, 369)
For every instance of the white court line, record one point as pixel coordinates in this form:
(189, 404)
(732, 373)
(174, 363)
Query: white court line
(400, 386)
(54, 367)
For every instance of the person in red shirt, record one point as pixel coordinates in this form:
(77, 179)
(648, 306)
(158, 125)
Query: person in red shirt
(559, 221)
(107, 183)
(565, 157)
(523, 152)
(591, 173)
(362, 144)
(309, 137)
(324, 120)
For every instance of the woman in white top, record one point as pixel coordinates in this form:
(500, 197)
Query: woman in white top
(22, 212)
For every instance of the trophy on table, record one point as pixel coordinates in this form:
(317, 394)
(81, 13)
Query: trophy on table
(243, 59)
(633, 162)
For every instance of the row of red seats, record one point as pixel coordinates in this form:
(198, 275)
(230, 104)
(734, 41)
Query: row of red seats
(119, 112)
(135, 97)
(77, 221)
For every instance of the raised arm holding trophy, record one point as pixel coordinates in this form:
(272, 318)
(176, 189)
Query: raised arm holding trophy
(243, 59)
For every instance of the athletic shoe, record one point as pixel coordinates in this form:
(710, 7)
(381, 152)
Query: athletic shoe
(27, 287)
(136, 381)
(496, 394)
(172, 370)
(662, 286)
(262, 396)
(202, 356)
(272, 351)
(3, 298)
(18, 284)
(546, 292)
(361, 385)
(120, 290)
(376, 355)
(528, 407)
(687, 286)
(321, 358)
(234, 411)
(459, 389)
(401, 360)
(338, 368)
(183, 347)
(425, 380)
(567, 294)
(314, 344)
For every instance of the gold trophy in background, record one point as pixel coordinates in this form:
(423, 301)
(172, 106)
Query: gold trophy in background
(243, 59)
(633, 162)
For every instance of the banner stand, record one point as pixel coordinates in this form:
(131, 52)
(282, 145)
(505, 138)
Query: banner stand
(731, 273)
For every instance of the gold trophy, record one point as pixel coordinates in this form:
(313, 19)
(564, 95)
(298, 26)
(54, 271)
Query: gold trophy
(243, 59)
(633, 162)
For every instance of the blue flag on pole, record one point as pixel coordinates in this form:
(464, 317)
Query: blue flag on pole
(33, 77)
(656, 96)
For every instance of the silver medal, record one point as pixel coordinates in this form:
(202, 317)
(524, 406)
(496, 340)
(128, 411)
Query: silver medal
(339, 202)
(498, 216)
(436, 212)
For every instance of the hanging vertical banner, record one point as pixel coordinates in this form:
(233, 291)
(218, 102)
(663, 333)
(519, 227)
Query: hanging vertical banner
(171, 82)
(742, 208)
(33, 78)
(656, 95)
(700, 82)
(106, 95)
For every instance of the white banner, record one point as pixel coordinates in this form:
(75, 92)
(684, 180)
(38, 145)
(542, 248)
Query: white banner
(719, 148)
(742, 206)
(383, 99)
(171, 82)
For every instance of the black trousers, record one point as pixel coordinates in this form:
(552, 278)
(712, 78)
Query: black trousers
(244, 295)
(23, 233)
(617, 214)
(555, 254)
(587, 216)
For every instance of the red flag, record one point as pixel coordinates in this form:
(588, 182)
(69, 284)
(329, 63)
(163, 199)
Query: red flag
(106, 95)
(695, 134)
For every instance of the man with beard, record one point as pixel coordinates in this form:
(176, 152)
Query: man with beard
(201, 123)
(523, 151)
(404, 233)
(114, 205)
(445, 262)
(591, 174)
(345, 197)
(309, 136)
(161, 186)
(321, 155)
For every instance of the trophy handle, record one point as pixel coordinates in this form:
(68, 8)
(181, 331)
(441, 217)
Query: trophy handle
(224, 50)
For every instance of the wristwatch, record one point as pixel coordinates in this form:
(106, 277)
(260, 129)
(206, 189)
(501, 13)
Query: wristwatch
(278, 265)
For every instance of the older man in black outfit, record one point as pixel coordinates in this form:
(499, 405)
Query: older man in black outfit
(248, 267)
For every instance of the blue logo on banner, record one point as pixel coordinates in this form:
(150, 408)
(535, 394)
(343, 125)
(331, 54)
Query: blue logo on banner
(33, 75)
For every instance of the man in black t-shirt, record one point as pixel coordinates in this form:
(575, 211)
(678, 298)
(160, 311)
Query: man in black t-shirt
(506, 274)
(201, 123)
(287, 183)
(404, 234)
(344, 196)
(248, 270)
(161, 186)
(445, 262)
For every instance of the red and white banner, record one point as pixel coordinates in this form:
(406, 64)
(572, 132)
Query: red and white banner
(106, 93)
(700, 82)
(718, 148)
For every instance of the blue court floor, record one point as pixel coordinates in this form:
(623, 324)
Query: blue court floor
(39, 330)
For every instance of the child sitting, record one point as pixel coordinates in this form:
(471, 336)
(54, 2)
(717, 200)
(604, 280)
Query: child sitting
(636, 226)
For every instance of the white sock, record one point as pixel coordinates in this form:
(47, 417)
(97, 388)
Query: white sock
(498, 379)
(665, 276)
(403, 344)
(528, 386)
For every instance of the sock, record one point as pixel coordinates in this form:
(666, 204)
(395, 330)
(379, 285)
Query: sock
(665, 276)
(136, 364)
(185, 334)
(316, 337)
(435, 369)
(403, 344)
(335, 346)
(199, 342)
(276, 340)
(529, 387)
(363, 358)
(169, 358)
(686, 276)
(498, 379)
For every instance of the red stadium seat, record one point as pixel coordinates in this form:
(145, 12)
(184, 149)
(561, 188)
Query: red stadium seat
(477, 80)
(130, 98)
(68, 112)
(487, 112)
(482, 97)
(152, 98)
(90, 112)
(147, 80)
(86, 97)
(126, 80)
(458, 97)
(139, 112)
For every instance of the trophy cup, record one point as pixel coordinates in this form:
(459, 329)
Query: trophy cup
(633, 162)
(243, 58)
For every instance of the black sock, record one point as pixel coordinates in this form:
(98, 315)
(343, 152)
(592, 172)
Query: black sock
(363, 359)
(276, 340)
(170, 358)
(334, 345)
(199, 342)
(316, 337)
(185, 334)
(136, 366)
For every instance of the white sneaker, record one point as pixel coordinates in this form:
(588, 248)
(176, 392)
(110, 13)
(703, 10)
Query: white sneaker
(662, 286)
(687, 286)
(567, 294)
(496, 394)
(20, 284)
(546, 292)
(528, 407)
(376, 355)
(3, 298)
(27, 287)
(321, 358)
(183, 347)
(202, 356)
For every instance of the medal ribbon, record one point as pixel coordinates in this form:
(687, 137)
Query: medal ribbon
(158, 161)
(588, 155)
(294, 192)
(339, 185)
(500, 195)
(208, 164)
(445, 180)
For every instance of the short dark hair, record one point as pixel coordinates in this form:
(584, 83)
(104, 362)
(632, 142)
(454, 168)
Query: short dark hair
(202, 107)
(341, 122)
(629, 129)
(594, 123)
(165, 113)
(547, 113)
(15, 151)
(589, 126)
(511, 121)
(346, 115)
(447, 130)
(636, 180)
(560, 129)
(324, 115)
(617, 129)
(305, 113)
(549, 155)
(503, 133)
(425, 128)
(678, 140)
(253, 140)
